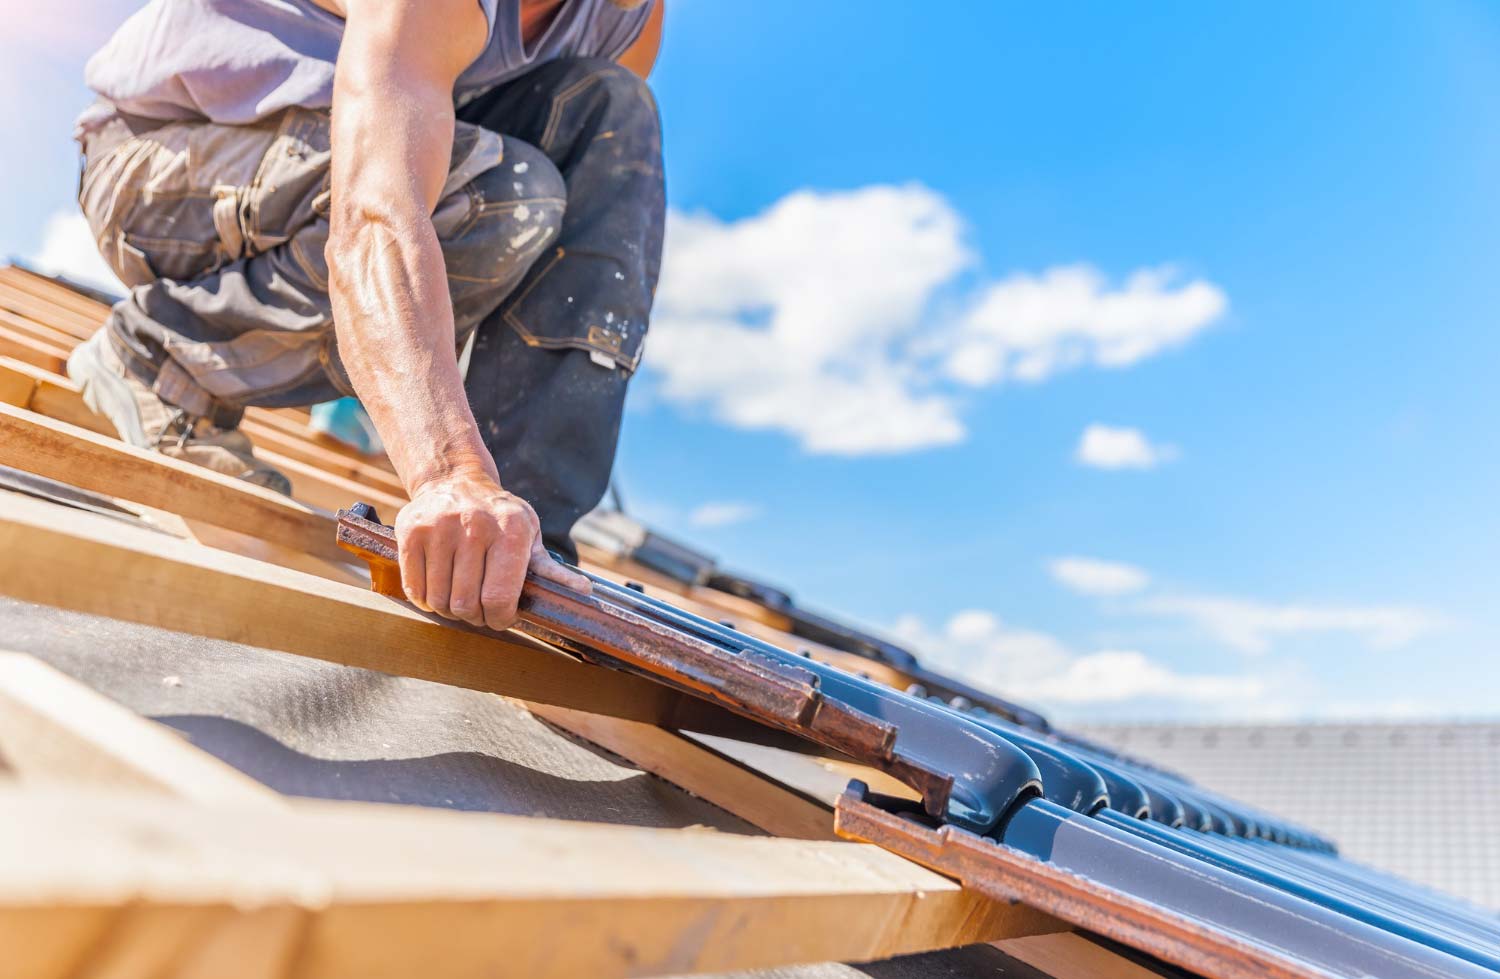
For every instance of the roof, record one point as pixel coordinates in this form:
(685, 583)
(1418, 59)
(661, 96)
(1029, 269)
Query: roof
(661, 786)
(1414, 799)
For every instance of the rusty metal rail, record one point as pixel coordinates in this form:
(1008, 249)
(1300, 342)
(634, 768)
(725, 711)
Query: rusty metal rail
(1196, 915)
(964, 772)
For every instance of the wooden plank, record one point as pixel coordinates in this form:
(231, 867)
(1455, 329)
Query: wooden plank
(83, 313)
(52, 395)
(90, 563)
(281, 555)
(58, 397)
(400, 891)
(71, 455)
(53, 728)
(16, 388)
(305, 449)
(31, 351)
(1073, 956)
(37, 330)
(328, 490)
(294, 422)
(62, 320)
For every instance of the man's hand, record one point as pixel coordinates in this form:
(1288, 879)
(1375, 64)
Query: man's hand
(466, 545)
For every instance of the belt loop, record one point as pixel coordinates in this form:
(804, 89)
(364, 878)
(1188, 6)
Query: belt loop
(227, 222)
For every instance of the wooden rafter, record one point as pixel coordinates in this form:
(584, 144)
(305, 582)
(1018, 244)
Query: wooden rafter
(358, 890)
(91, 563)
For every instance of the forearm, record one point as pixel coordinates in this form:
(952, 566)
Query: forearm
(392, 137)
(395, 332)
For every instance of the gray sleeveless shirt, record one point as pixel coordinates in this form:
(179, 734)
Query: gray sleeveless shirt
(238, 61)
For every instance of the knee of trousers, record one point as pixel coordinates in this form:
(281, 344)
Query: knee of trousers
(516, 210)
(622, 94)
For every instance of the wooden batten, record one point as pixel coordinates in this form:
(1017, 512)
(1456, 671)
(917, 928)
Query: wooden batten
(379, 891)
(71, 455)
(59, 398)
(91, 563)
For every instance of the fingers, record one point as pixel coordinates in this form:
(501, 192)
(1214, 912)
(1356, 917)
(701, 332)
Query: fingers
(438, 558)
(543, 565)
(468, 576)
(464, 552)
(413, 571)
(504, 575)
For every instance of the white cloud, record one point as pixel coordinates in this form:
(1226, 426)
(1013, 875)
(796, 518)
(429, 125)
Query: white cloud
(722, 513)
(1030, 327)
(1252, 626)
(1104, 447)
(1112, 676)
(1033, 666)
(68, 249)
(1090, 576)
(815, 318)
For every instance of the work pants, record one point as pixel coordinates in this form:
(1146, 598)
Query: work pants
(550, 224)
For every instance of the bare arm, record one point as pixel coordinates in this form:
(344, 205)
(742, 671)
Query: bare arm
(641, 54)
(465, 543)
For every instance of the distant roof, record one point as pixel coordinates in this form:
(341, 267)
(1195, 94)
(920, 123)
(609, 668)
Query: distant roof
(1418, 800)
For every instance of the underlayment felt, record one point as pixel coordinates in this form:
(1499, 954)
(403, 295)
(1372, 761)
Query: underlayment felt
(309, 728)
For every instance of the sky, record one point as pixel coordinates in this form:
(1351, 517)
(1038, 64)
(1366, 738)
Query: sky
(1136, 361)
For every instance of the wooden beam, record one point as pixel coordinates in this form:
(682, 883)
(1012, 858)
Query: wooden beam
(59, 295)
(51, 395)
(84, 561)
(71, 455)
(330, 490)
(58, 397)
(35, 352)
(306, 449)
(1073, 956)
(293, 423)
(15, 388)
(37, 330)
(53, 728)
(378, 891)
(39, 298)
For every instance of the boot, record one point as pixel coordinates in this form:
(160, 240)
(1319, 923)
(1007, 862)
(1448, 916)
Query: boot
(146, 421)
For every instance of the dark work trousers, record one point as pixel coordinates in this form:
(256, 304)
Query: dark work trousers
(550, 225)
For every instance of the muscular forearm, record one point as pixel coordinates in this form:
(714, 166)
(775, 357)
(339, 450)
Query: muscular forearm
(395, 334)
(387, 283)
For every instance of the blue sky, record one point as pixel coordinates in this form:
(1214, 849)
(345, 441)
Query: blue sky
(1137, 362)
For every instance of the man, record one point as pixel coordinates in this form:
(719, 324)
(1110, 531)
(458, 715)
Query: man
(315, 198)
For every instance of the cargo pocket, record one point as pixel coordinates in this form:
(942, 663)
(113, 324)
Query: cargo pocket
(128, 262)
(290, 188)
(152, 214)
(582, 301)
